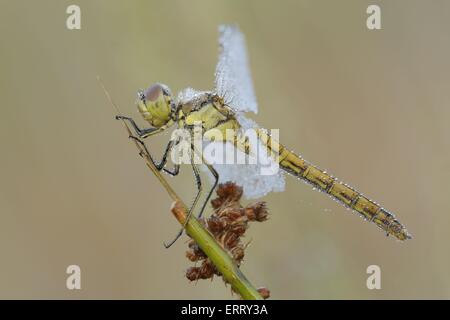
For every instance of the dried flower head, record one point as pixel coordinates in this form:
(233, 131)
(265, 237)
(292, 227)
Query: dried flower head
(228, 225)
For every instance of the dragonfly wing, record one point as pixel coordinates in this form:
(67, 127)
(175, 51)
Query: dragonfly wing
(257, 173)
(232, 78)
(234, 83)
(248, 176)
(188, 95)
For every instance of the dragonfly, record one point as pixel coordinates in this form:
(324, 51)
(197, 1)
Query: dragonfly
(224, 108)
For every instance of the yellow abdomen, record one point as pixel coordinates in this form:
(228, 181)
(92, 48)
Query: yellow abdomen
(344, 194)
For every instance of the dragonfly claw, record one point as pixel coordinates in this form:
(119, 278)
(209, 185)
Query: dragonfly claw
(121, 118)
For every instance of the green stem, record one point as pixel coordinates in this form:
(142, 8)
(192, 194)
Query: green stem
(221, 259)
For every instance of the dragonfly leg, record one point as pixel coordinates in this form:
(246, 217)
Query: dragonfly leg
(216, 181)
(163, 162)
(145, 132)
(197, 196)
(142, 133)
(175, 171)
(159, 166)
(168, 245)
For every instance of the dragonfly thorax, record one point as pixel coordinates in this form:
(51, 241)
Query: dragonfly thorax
(155, 105)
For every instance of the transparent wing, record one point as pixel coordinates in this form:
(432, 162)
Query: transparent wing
(248, 176)
(233, 79)
(258, 174)
(189, 94)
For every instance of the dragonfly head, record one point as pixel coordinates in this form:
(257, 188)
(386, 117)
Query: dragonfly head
(155, 104)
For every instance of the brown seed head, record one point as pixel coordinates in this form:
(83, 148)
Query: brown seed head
(227, 224)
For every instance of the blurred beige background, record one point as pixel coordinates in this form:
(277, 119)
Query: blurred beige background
(372, 107)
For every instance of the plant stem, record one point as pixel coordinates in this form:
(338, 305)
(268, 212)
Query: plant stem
(223, 262)
(219, 257)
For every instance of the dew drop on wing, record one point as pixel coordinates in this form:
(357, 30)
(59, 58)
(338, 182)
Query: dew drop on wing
(233, 82)
(232, 76)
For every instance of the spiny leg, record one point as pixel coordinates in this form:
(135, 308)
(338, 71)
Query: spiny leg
(145, 132)
(176, 167)
(174, 172)
(199, 191)
(142, 133)
(216, 181)
(162, 163)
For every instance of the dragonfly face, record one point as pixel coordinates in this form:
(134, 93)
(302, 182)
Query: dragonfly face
(155, 105)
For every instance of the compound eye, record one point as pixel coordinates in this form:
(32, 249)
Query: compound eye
(153, 93)
(166, 90)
